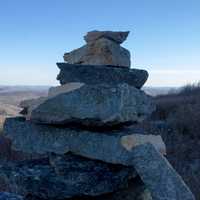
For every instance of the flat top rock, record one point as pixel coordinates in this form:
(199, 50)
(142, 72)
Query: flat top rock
(97, 74)
(116, 36)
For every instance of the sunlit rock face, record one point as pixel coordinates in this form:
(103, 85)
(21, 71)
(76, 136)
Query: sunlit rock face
(102, 48)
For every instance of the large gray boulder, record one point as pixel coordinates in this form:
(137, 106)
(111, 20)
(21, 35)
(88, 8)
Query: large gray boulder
(155, 171)
(98, 105)
(100, 52)
(108, 146)
(64, 177)
(94, 74)
(116, 36)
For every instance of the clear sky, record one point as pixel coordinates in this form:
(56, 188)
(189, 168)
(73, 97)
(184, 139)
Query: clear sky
(164, 38)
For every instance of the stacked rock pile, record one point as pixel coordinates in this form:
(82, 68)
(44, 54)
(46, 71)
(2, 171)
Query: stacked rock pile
(84, 135)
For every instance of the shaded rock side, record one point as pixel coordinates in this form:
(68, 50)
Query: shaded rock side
(158, 175)
(107, 146)
(155, 171)
(10, 196)
(101, 52)
(99, 105)
(92, 75)
(30, 104)
(64, 177)
(135, 191)
(116, 36)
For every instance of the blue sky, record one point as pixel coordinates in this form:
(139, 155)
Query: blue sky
(164, 38)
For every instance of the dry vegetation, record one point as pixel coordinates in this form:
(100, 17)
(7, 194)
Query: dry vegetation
(181, 110)
(181, 113)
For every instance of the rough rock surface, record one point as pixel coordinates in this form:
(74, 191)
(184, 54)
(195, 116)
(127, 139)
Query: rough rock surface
(98, 105)
(158, 175)
(183, 152)
(155, 171)
(106, 146)
(30, 104)
(54, 91)
(101, 52)
(8, 154)
(9, 196)
(92, 75)
(65, 177)
(135, 191)
(116, 36)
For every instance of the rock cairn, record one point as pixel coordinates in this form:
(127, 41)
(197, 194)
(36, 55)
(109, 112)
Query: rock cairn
(84, 135)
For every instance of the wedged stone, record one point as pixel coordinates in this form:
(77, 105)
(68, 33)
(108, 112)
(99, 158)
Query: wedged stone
(116, 36)
(64, 177)
(101, 52)
(30, 104)
(94, 74)
(98, 105)
(10, 196)
(157, 174)
(135, 191)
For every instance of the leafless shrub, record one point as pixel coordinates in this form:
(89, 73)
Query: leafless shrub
(181, 110)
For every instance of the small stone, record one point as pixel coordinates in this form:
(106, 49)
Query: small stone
(116, 36)
(31, 104)
(131, 141)
(94, 74)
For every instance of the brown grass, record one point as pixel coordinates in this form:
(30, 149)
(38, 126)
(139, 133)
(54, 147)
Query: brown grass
(181, 110)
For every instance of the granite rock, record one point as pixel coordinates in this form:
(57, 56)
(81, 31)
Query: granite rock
(158, 175)
(30, 104)
(10, 196)
(92, 75)
(107, 146)
(135, 191)
(102, 52)
(116, 36)
(64, 177)
(155, 171)
(98, 105)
